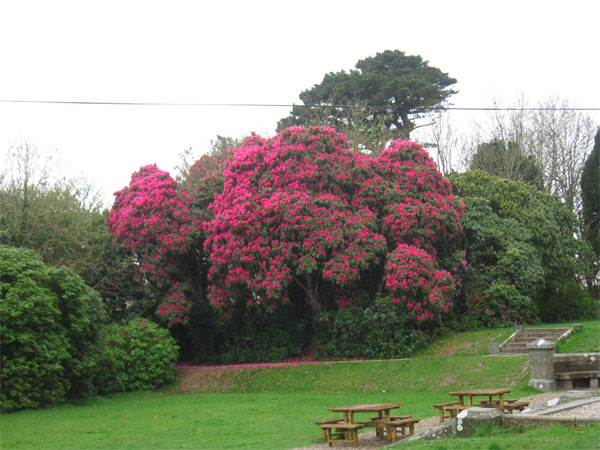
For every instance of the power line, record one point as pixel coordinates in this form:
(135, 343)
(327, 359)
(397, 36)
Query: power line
(283, 105)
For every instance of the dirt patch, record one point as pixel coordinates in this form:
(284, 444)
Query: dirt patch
(448, 380)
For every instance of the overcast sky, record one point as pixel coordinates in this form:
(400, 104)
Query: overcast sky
(263, 52)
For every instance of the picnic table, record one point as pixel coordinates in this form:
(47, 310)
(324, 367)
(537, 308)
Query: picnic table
(495, 399)
(386, 425)
(382, 410)
(490, 393)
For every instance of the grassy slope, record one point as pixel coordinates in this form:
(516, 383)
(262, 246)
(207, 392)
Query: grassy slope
(270, 407)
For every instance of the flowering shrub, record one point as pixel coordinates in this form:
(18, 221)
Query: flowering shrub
(301, 207)
(413, 280)
(286, 215)
(153, 219)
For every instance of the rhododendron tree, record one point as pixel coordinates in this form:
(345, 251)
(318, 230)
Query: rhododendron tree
(298, 210)
(154, 220)
(286, 216)
(419, 218)
(302, 208)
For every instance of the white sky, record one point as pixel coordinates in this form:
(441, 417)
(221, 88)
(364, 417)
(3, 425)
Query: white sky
(222, 51)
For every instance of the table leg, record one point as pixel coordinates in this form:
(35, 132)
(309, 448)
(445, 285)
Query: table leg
(348, 418)
(501, 402)
(384, 428)
(379, 432)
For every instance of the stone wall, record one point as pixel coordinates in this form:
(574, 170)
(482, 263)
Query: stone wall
(576, 370)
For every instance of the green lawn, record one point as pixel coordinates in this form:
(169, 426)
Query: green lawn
(274, 407)
(585, 339)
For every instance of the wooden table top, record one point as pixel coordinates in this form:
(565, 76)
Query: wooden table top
(473, 392)
(367, 407)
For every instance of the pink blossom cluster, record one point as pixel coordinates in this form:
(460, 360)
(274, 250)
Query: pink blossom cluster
(413, 280)
(152, 218)
(175, 306)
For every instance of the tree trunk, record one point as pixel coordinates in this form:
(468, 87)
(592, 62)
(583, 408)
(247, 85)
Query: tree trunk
(312, 292)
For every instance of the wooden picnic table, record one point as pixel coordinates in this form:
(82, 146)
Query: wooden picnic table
(490, 393)
(385, 424)
(382, 410)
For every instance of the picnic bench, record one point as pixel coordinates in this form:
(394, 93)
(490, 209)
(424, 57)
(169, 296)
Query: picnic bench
(345, 429)
(407, 428)
(348, 432)
(441, 406)
(510, 405)
(327, 422)
(454, 407)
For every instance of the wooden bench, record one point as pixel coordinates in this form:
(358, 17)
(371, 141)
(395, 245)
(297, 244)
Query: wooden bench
(511, 407)
(327, 422)
(407, 428)
(374, 418)
(496, 402)
(350, 428)
(454, 409)
(379, 424)
(440, 407)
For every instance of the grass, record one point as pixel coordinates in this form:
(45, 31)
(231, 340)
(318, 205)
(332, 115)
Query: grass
(336, 378)
(257, 403)
(274, 406)
(468, 343)
(584, 339)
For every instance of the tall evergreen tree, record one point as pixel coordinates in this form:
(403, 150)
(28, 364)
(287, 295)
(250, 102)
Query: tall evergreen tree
(393, 87)
(590, 197)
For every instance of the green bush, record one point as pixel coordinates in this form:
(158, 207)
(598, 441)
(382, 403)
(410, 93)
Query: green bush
(380, 331)
(516, 241)
(137, 355)
(50, 324)
(255, 334)
(565, 300)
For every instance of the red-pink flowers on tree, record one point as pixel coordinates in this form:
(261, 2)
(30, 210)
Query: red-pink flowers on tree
(285, 215)
(153, 220)
(297, 209)
(301, 207)
(413, 280)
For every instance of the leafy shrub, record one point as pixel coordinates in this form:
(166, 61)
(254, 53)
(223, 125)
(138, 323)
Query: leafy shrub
(517, 240)
(252, 334)
(380, 331)
(566, 300)
(50, 323)
(137, 355)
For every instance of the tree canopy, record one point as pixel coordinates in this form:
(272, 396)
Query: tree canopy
(590, 196)
(393, 87)
(520, 243)
(506, 160)
(302, 208)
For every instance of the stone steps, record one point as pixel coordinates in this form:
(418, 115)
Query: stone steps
(518, 343)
